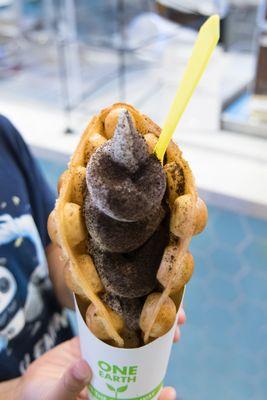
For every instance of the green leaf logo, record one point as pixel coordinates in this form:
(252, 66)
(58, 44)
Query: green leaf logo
(111, 388)
(118, 390)
(122, 389)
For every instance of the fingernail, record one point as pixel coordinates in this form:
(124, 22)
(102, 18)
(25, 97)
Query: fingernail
(82, 371)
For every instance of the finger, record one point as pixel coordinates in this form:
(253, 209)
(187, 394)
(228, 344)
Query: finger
(168, 393)
(74, 347)
(72, 382)
(83, 395)
(181, 316)
(177, 335)
(71, 349)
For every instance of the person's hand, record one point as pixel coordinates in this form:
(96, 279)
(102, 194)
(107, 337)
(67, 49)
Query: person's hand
(181, 321)
(58, 374)
(62, 374)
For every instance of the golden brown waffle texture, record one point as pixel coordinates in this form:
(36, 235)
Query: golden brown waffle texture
(66, 227)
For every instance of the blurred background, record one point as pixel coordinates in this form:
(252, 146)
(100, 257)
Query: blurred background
(61, 61)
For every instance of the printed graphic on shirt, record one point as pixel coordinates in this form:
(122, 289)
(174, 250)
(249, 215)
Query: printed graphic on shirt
(31, 319)
(15, 312)
(57, 323)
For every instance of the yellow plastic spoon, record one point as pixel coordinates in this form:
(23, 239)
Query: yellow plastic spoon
(206, 42)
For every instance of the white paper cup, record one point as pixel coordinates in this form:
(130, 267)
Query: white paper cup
(128, 374)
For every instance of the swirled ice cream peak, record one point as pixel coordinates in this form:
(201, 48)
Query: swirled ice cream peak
(128, 148)
(125, 182)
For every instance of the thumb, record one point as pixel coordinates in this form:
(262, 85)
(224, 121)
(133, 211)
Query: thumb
(72, 382)
(168, 393)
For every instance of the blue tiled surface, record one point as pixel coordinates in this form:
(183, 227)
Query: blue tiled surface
(52, 170)
(223, 351)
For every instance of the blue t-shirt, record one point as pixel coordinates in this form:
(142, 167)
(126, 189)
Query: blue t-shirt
(31, 320)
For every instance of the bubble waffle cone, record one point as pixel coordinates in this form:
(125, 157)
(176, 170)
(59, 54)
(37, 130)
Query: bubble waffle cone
(67, 228)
